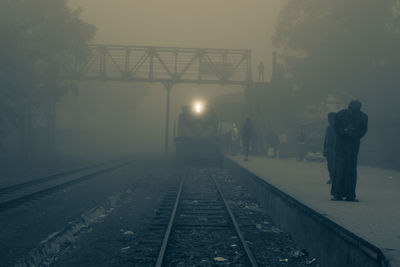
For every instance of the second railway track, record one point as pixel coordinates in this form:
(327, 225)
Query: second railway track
(18, 194)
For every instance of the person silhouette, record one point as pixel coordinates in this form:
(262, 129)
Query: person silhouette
(351, 125)
(261, 72)
(330, 146)
(247, 133)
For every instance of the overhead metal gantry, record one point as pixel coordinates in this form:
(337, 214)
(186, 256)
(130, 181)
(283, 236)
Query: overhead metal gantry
(166, 65)
(162, 64)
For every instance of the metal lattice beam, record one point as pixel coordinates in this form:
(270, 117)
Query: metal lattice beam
(163, 64)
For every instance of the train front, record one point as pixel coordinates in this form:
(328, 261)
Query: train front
(197, 137)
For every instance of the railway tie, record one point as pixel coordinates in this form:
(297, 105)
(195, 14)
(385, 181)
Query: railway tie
(207, 212)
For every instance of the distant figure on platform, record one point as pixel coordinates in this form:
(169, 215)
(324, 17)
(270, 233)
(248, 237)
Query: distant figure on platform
(283, 145)
(261, 72)
(301, 144)
(330, 146)
(351, 125)
(247, 133)
(235, 140)
(272, 143)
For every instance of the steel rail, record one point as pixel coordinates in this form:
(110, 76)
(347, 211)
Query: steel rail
(8, 204)
(164, 245)
(46, 178)
(161, 254)
(249, 254)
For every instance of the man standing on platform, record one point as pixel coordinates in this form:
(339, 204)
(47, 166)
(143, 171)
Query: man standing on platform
(301, 144)
(330, 146)
(351, 125)
(235, 140)
(261, 72)
(247, 133)
(273, 143)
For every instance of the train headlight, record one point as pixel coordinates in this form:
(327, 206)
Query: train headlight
(198, 107)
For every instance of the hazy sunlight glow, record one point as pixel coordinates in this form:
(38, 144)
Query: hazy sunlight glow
(198, 107)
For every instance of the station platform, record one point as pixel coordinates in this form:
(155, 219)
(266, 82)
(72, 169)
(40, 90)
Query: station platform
(375, 218)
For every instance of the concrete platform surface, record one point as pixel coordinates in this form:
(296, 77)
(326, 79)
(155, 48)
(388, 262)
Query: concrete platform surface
(376, 217)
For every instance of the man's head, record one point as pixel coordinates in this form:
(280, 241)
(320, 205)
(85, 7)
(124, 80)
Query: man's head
(331, 117)
(355, 106)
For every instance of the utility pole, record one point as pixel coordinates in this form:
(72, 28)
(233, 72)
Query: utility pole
(168, 86)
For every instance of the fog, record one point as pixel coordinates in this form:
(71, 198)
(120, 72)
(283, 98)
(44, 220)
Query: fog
(130, 117)
(120, 119)
(231, 24)
(325, 57)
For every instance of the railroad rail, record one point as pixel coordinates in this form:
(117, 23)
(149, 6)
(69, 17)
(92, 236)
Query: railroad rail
(203, 208)
(18, 194)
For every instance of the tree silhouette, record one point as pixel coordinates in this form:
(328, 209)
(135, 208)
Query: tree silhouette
(38, 36)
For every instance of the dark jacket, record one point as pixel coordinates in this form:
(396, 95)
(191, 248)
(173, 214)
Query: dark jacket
(351, 127)
(272, 139)
(330, 141)
(247, 130)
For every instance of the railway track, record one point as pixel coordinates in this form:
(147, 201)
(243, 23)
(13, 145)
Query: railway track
(19, 194)
(201, 224)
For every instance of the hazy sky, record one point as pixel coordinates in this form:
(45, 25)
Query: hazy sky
(247, 24)
(240, 24)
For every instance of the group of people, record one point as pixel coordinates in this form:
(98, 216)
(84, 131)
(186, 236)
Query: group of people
(341, 147)
(245, 135)
(245, 140)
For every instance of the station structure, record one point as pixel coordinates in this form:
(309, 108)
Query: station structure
(165, 65)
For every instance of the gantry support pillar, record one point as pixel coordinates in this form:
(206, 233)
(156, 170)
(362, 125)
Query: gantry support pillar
(168, 86)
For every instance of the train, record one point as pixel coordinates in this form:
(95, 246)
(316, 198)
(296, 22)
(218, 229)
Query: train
(197, 137)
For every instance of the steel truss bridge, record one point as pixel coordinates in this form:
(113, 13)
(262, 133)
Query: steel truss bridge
(166, 65)
(163, 64)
